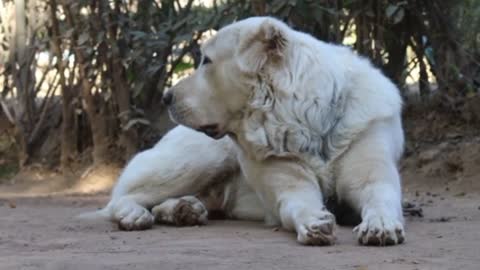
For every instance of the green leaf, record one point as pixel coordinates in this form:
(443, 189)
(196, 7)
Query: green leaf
(395, 13)
(182, 66)
(138, 88)
(430, 55)
(153, 69)
(69, 33)
(399, 16)
(184, 37)
(179, 24)
(278, 5)
(138, 34)
(390, 10)
(83, 38)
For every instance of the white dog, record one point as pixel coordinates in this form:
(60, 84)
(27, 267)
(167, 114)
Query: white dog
(305, 121)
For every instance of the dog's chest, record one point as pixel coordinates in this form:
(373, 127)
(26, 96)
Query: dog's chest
(258, 149)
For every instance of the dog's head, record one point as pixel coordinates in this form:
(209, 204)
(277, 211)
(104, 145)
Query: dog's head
(219, 89)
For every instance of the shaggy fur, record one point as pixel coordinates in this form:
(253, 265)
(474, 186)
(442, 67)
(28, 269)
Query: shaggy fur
(305, 121)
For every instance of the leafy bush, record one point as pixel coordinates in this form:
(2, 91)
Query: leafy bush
(108, 62)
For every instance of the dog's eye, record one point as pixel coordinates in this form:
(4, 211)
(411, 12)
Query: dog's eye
(206, 60)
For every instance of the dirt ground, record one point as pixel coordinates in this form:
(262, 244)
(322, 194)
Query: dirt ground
(440, 171)
(40, 233)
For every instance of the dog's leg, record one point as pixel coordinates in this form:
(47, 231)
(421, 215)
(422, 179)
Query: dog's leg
(129, 213)
(243, 203)
(183, 163)
(369, 181)
(232, 199)
(290, 191)
(183, 211)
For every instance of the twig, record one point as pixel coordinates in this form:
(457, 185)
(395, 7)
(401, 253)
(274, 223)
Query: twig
(43, 113)
(6, 111)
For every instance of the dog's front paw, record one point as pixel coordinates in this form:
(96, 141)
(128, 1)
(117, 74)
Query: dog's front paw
(317, 229)
(378, 230)
(133, 217)
(185, 211)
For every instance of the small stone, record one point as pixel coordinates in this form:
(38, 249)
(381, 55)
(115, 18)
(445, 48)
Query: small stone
(441, 219)
(12, 204)
(407, 204)
(428, 156)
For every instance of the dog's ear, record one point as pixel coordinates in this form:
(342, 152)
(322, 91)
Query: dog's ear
(265, 45)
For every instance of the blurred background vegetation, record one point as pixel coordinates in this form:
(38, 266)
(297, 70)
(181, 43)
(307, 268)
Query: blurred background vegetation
(81, 80)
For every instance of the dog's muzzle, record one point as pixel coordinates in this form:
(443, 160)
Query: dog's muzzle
(213, 130)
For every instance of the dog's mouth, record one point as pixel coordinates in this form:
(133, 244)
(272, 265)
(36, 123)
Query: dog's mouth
(212, 130)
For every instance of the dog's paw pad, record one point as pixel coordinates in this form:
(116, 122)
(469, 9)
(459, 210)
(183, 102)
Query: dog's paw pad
(137, 218)
(186, 211)
(380, 231)
(318, 230)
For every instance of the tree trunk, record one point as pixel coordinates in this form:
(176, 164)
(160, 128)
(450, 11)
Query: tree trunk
(21, 59)
(423, 83)
(361, 31)
(68, 147)
(128, 135)
(395, 38)
(97, 119)
(450, 59)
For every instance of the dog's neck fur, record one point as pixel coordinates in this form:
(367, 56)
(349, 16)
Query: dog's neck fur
(278, 125)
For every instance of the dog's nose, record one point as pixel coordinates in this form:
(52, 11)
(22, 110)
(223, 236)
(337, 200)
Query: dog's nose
(167, 98)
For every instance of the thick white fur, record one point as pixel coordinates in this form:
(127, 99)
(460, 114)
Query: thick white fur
(306, 120)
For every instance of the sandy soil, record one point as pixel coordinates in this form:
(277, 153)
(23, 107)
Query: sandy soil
(40, 233)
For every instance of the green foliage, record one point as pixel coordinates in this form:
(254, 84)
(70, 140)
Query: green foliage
(468, 14)
(446, 34)
(8, 162)
(121, 55)
(183, 66)
(8, 170)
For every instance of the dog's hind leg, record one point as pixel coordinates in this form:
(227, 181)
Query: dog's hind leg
(231, 198)
(183, 211)
(183, 163)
